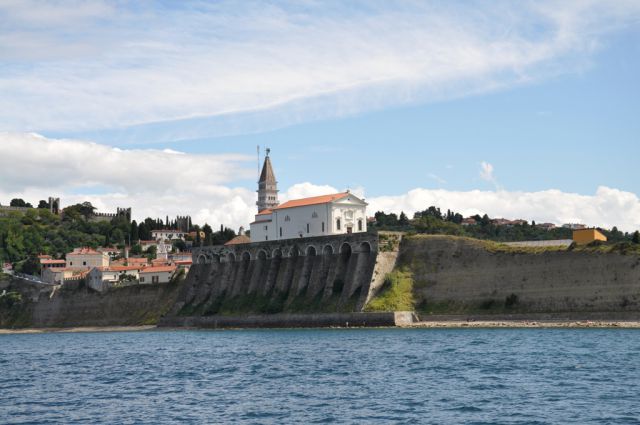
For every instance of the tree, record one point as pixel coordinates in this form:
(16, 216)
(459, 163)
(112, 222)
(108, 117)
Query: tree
(136, 249)
(636, 237)
(43, 204)
(133, 232)
(152, 252)
(207, 234)
(144, 233)
(403, 220)
(17, 202)
(179, 245)
(31, 265)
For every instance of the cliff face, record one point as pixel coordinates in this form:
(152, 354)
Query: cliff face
(454, 275)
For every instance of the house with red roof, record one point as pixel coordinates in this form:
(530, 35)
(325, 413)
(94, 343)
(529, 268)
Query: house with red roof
(157, 274)
(325, 215)
(87, 258)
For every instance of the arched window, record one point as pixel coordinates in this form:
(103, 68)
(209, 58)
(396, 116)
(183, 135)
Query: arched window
(287, 218)
(359, 225)
(338, 224)
(314, 215)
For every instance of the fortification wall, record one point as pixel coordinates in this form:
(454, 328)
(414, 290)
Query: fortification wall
(461, 275)
(132, 305)
(309, 275)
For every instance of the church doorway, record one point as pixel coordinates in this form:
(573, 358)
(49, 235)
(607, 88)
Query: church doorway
(349, 229)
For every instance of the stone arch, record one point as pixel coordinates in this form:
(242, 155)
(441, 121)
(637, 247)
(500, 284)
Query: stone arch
(294, 251)
(311, 251)
(327, 250)
(345, 249)
(202, 259)
(365, 247)
(231, 257)
(246, 256)
(215, 259)
(262, 255)
(277, 253)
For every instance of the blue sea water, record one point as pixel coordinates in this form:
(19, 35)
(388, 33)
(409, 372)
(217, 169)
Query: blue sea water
(368, 376)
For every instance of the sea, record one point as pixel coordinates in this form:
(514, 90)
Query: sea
(350, 376)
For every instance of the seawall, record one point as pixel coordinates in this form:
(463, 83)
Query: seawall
(293, 320)
(126, 306)
(308, 275)
(459, 275)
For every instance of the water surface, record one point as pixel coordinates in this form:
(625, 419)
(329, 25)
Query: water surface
(471, 376)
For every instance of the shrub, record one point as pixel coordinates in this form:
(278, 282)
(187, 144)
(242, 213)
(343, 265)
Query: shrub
(396, 293)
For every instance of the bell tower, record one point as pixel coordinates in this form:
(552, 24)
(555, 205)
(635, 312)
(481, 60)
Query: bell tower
(267, 186)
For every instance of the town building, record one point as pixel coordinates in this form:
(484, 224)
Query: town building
(157, 274)
(103, 278)
(574, 226)
(167, 234)
(47, 264)
(546, 226)
(60, 275)
(267, 186)
(240, 239)
(325, 215)
(469, 221)
(87, 258)
(586, 236)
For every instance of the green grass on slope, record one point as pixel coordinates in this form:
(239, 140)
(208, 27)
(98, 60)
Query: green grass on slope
(396, 293)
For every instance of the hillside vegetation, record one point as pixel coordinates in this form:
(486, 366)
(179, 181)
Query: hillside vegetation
(433, 221)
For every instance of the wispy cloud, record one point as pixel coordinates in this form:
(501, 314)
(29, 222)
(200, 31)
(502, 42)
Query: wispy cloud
(486, 173)
(437, 178)
(229, 68)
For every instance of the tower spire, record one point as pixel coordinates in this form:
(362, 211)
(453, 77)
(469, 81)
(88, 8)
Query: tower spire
(267, 186)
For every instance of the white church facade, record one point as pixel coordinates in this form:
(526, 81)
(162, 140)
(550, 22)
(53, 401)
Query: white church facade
(324, 215)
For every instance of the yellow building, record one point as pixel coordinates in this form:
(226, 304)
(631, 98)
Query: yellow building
(586, 236)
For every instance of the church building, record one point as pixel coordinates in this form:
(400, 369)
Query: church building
(324, 215)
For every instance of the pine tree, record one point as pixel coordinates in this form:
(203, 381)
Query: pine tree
(636, 237)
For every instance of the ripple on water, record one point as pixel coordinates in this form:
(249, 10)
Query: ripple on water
(510, 376)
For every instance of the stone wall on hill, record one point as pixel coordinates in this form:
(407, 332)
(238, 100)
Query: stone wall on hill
(454, 274)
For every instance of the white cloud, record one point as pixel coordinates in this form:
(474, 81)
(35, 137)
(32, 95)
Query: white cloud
(116, 65)
(607, 208)
(487, 174)
(158, 183)
(437, 178)
(154, 183)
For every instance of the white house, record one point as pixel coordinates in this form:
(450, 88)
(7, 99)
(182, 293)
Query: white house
(102, 278)
(157, 274)
(316, 216)
(170, 234)
(86, 258)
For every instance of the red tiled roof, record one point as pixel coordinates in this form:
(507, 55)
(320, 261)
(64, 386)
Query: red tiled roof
(157, 269)
(183, 262)
(261, 221)
(52, 262)
(119, 268)
(265, 212)
(312, 201)
(240, 239)
(84, 251)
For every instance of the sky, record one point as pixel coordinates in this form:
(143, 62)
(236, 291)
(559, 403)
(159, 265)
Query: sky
(516, 109)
